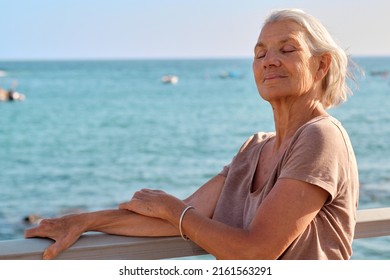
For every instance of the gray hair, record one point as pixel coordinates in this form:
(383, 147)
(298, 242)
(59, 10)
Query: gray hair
(336, 89)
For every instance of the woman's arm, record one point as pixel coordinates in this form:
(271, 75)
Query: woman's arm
(206, 197)
(283, 215)
(65, 231)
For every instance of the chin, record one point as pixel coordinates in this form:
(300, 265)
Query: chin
(270, 94)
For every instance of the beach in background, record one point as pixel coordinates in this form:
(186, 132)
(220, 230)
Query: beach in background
(90, 133)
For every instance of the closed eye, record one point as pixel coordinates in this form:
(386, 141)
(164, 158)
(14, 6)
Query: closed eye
(288, 49)
(261, 55)
(260, 51)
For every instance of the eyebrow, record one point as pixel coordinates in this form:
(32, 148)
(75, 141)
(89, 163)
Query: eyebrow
(283, 41)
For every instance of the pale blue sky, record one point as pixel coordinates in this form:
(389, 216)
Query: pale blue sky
(94, 29)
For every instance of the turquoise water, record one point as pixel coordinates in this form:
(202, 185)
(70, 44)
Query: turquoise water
(90, 133)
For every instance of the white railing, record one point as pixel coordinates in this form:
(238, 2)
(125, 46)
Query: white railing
(97, 246)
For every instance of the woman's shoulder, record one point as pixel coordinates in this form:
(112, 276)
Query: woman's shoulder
(324, 129)
(324, 125)
(256, 139)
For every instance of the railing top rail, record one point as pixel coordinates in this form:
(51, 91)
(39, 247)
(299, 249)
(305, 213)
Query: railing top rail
(94, 246)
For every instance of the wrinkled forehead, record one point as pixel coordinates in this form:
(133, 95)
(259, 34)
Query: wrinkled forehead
(282, 31)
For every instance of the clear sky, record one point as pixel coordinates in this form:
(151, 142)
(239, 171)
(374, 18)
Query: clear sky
(115, 29)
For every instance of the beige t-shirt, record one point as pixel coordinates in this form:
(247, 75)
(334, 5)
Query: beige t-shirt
(320, 153)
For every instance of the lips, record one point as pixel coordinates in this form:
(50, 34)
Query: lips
(273, 76)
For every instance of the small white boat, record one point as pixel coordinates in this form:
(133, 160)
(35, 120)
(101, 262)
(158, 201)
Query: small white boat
(170, 79)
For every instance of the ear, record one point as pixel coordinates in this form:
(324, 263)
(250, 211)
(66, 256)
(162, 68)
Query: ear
(323, 65)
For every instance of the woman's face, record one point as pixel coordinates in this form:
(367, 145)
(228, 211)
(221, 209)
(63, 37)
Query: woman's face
(283, 65)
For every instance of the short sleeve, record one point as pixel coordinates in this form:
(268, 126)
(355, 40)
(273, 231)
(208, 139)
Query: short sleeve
(252, 140)
(225, 170)
(318, 156)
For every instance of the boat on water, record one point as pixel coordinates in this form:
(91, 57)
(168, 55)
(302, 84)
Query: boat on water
(11, 95)
(382, 74)
(170, 79)
(230, 75)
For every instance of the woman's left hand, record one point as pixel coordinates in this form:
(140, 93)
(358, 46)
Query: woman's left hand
(155, 203)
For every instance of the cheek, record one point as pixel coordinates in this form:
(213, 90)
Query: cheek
(305, 77)
(256, 67)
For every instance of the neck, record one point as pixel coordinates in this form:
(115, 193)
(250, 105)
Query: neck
(290, 117)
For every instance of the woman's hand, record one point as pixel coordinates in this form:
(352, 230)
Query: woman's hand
(155, 203)
(65, 231)
(153, 213)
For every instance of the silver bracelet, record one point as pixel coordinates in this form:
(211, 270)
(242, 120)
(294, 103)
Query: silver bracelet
(181, 220)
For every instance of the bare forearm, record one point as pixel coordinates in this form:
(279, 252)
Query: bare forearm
(207, 234)
(66, 230)
(124, 222)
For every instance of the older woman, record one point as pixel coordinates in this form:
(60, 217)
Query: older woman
(289, 194)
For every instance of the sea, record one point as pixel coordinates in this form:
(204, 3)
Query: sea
(91, 133)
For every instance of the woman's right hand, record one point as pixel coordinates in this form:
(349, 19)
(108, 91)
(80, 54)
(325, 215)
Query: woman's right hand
(65, 231)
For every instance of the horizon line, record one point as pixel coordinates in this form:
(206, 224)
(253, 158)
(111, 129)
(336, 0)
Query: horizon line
(48, 59)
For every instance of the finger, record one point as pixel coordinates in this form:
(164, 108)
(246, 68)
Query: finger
(31, 232)
(128, 205)
(146, 192)
(151, 191)
(123, 206)
(141, 193)
(52, 251)
(35, 232)
(39, 231)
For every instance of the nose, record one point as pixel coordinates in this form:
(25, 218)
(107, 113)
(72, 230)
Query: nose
(270, 59)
